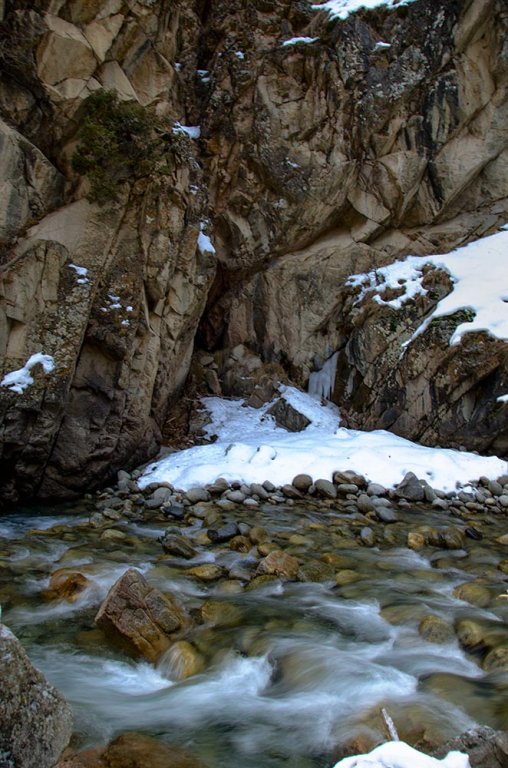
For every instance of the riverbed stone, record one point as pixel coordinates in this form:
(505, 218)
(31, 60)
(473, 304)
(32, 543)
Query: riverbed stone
(474, 593)
(410, 488)
(325, 488)
(181, 661)
(291, 492)
(434, 629)
(240, 544)
(315, 571)
(65, 585)
(302, 482)
(35, 719)
(195, 495)
(223, 533)
(346, 576)
(279, 563)
(497, 658)
(136, 750)
(206, 572)
(177, 545)
(452, 538)
(216, 613)
(140, 618)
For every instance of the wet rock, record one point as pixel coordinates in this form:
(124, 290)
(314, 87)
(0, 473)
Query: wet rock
(345, 488)
(368, 536)
(302, 482)
(240, 544)
(452, 538)
(346, 576)
(236, 496)
(496, 659)
(224, 533)
(471, 592)
(206, 572)
(434, 629)
(177, 545)
(139, 618)
(135, 750)
(181, 661)
(216, 613)
(175, 509)
(66, 585)
(279, 563)
(315, 571)
(257, 534)
(385, 514)
(410, 488)
(325, 489)
(35, 719)
(416, 540)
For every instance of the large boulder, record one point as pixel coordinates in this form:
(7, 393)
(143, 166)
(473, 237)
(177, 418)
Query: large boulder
(35, 719)
(140, 618)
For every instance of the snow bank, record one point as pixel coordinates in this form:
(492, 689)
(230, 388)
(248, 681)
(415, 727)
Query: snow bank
(397, 754)
(251, 448)
(478, 272)
(19, 380)
(340, 9)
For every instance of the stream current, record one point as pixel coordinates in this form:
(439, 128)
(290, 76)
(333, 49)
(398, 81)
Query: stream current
(292, 670)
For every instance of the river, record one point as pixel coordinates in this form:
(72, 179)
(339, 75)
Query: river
(292, 672)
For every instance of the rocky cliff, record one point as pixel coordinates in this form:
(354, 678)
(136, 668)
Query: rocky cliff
(176, 177)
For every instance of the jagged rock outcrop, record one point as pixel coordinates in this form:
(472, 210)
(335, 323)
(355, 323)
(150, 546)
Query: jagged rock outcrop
(385, 136)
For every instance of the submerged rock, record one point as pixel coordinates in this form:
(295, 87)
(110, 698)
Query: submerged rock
(35, 719)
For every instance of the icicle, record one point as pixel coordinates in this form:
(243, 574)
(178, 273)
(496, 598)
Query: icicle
(321, 382)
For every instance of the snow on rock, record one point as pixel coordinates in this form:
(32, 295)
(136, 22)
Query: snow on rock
(502, 399)
(397, 754)
(19, 380)
(81, 273)
(478, 272)
(296, 40)
(251, 448)
(192, 131)
(204, 243)
(340, 9)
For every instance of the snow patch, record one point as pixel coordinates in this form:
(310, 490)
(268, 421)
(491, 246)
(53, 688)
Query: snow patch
(204, 243)
(397, 754)
(297, 40)
(81, 273)
(19, 380)
(251, 448)
(341, 9)
(502, 399)
(478, 273)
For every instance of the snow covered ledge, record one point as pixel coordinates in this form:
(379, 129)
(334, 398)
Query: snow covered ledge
(398, 754)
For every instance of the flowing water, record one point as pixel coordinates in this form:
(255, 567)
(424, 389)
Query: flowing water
(292, 670)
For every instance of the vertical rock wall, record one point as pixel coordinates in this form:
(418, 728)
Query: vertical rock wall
(384, 136)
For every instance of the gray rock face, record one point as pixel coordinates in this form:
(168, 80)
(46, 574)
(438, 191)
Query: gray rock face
(35, 719)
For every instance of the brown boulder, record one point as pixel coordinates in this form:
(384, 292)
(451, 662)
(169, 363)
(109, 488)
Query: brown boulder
(140, 618)
(134, 750)
(65, 585)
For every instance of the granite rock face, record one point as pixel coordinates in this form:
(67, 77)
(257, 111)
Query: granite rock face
(385, 136)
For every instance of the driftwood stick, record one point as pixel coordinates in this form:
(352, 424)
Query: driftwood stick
(390, 725)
